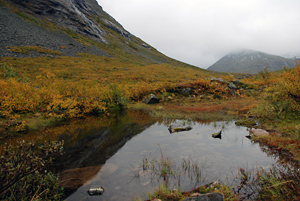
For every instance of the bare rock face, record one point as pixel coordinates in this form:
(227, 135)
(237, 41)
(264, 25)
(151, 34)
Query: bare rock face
(82, 16)
(18, 32)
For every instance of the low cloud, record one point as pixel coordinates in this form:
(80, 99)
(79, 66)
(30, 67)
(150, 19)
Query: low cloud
(200, 32)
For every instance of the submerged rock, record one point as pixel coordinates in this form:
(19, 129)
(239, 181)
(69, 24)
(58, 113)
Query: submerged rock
(213, 184)
(206, 197)
(96, 191)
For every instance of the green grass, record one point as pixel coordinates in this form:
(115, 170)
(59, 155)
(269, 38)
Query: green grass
(29, 18)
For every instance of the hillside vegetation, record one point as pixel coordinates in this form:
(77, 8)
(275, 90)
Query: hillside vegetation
(41, 85)
(40, 78)
(68, 87)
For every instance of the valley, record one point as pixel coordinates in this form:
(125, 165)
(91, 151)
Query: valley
(72, 96)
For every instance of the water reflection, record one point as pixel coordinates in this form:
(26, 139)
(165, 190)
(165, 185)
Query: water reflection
(219, 159)
(107, 151)
(87, 147)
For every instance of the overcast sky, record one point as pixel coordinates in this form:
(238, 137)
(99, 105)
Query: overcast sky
(200, 32)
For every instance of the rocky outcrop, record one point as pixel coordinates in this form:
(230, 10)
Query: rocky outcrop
(117, 29)
(81, 16)
(17, 32)
(68, 27)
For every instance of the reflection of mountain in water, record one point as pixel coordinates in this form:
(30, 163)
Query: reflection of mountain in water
(84, 157)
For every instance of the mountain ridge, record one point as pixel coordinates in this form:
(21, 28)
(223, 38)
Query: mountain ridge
(250, 61)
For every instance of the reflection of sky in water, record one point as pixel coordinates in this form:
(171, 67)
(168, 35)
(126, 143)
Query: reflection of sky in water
(218, 158)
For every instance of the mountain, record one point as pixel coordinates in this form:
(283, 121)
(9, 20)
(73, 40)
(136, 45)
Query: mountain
(250, 61)
(33, 28)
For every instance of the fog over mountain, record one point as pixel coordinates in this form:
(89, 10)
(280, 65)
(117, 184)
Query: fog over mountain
(250, 61)
(200, 32)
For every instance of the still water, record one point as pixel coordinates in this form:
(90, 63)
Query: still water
(110, 155)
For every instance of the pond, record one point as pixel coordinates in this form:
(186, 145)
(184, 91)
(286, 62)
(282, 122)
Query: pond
(109, 153)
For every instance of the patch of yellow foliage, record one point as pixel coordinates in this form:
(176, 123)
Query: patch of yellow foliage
(67, 87)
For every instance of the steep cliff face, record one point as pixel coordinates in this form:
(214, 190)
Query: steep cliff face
(82, 16)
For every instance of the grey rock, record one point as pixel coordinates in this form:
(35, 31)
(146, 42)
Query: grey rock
(214, 184)
(96, 191)
(232, 86)
(258, 132)
(177, 128)
(117, 28)
(151, 99)
(214, 79)
(145, 45)
(236, 82)
(186, 91)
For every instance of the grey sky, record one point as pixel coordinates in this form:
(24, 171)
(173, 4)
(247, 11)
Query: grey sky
(200, 32)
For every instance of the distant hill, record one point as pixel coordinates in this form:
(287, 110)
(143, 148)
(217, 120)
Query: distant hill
(250, 61)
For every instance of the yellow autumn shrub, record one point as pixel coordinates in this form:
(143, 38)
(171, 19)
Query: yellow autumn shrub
(17, 96)
(67, 87)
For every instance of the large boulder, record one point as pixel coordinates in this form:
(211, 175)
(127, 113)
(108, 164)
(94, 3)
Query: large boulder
(231, 85)
(151, 99)
(258, 132)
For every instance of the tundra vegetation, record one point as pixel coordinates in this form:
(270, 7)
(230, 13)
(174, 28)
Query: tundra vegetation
(43, 91)
(46, 91)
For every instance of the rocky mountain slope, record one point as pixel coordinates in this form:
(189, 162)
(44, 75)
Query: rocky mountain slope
(68, 27)
(249, 61)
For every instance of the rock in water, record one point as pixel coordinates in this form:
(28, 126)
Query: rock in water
(207, 197)
(96, 191)
(174, 129)
(217, 135)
